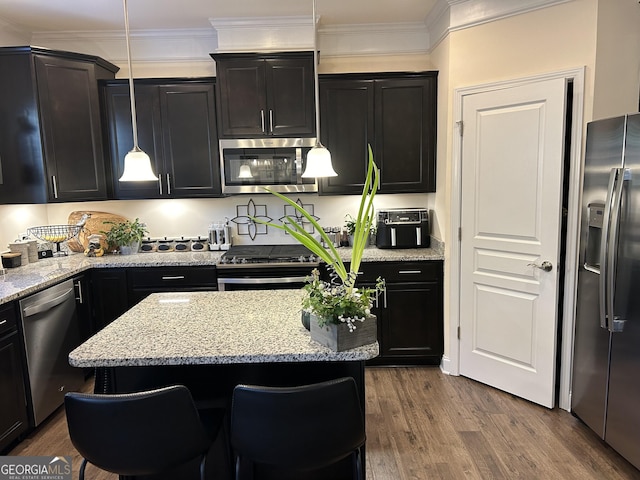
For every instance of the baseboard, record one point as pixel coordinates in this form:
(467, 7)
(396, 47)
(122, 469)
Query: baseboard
(445, 366)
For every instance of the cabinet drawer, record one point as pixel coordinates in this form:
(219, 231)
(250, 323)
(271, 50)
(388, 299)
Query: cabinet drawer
(7, 318)
(165, 277)
(395, 272)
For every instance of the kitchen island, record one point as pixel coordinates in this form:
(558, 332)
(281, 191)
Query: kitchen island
(209, 328)
(212, 341)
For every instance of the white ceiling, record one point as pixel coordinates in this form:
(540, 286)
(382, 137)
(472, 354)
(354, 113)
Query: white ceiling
(107, 15)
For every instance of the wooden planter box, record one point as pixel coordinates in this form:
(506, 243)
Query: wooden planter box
(338, 337)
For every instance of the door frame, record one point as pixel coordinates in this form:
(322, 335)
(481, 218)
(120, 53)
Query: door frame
(451, 362)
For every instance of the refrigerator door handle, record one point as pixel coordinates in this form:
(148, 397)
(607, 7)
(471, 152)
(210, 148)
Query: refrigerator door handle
(610, 250)
(604, 250)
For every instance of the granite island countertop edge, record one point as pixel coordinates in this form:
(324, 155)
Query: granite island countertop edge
(198, 328)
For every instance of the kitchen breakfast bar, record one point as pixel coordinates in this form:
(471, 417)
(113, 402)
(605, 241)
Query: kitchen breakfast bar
(212, 341)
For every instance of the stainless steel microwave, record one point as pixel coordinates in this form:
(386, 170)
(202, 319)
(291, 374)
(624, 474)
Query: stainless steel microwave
(249, 165)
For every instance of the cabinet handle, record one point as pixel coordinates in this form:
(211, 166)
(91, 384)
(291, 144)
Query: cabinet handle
(270, 121)
(408, 272)
(55, 186)
(168, 184)
(4, 320)
(175, 277)
(160, 183)
(384, 292)
(79, 297)
(262, 120)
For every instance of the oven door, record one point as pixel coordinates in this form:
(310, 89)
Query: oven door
(263, 278)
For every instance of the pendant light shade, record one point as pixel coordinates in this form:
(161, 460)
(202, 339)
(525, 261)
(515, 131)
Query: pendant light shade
(319, 163)
(137, 167)
(318, 158)
(137, 164)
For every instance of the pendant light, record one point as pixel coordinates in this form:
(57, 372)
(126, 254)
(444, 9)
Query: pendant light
(318, 158)
(137, 164)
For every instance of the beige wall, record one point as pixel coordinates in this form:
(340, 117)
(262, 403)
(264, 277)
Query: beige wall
(542, 41)
(617, 68)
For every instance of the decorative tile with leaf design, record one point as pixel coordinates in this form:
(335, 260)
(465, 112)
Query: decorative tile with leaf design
(244, 219)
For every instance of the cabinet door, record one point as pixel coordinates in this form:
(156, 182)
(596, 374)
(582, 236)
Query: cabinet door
(144, 281)
(192, 167)
(13, 403)
(290, 97)
(108, 295)
(71, 129)
(22, 174)
(241, 85)
(405, 120)
(347, 127)
(117, 113)
(411, 324)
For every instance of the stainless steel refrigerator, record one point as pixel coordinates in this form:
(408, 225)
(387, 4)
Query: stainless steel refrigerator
(606, 364)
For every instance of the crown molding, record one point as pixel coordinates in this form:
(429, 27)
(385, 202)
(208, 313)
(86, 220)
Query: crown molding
(268, 34)
(451, 15)
(373, 39)
(176, 45)
(264, 33)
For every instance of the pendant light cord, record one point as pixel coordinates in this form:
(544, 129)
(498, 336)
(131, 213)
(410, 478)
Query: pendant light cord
(315, 76)
(134, 122)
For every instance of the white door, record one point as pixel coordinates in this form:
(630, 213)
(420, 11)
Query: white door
(512, 166)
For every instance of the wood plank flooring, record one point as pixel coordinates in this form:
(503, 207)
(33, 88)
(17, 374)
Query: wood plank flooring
(422, 424)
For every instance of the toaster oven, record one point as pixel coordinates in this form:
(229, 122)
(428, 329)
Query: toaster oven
(403, 228)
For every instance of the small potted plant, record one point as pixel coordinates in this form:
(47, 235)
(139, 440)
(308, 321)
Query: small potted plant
(125, 236)
(350, 225)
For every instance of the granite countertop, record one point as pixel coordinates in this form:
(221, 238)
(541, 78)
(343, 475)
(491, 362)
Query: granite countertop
(22, 281)
(208, 328)
(26, 279)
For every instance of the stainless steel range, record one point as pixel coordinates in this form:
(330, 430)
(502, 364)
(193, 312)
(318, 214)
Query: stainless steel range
(265, 267)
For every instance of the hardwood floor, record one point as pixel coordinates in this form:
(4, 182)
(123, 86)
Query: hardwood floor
(422, 424)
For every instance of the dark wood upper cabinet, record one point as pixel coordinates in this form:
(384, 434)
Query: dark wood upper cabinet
(262, 95)
(176, 128)
(395, 114)
(51, 146)
(347, 127)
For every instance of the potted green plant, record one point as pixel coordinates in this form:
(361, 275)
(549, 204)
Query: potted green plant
(350, 226)
(125, 236)
(338, 309)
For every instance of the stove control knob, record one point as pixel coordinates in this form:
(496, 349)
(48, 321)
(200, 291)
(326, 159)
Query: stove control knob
(301, 259)
(234, 260)
(312, 259)
(244, 260)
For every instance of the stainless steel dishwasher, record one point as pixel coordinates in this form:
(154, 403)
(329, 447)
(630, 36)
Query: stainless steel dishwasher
(50, 327)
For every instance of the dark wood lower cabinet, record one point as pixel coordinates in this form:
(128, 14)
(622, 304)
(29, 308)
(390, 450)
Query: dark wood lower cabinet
(13, 403)
(116, 290)
(109, 296)
(409, 311)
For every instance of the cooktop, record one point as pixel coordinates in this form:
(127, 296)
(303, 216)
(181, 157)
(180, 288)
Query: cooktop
(272, 254)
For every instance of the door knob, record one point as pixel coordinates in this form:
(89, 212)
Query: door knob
(546, 266)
